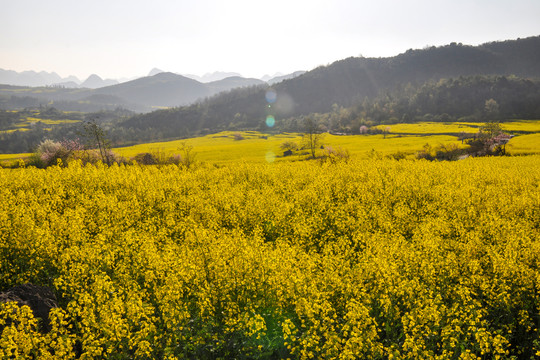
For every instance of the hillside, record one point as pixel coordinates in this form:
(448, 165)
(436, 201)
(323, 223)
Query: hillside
(163, 89)
(349, 82)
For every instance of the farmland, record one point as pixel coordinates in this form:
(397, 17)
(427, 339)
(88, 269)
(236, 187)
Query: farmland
(372, 258)
(405, 138)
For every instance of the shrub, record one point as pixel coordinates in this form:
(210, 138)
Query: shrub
(145, 159)
(335, 155)
(48, 152)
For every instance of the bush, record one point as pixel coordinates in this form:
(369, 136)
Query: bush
(49, 152)
(335, 155)
(145, 159)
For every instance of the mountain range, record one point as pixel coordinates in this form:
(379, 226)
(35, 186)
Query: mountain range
(163, 89)
(158, 89)
(94, 81)
(43, 78)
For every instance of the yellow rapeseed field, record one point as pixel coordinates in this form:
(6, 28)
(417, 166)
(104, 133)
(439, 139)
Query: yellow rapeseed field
(222, 148)
(365, 259)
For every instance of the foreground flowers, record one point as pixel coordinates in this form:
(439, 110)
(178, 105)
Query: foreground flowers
(370, 259)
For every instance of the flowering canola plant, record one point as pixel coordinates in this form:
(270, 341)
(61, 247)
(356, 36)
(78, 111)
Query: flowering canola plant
(374, 259)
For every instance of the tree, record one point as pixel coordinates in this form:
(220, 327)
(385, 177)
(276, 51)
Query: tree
(187, 155)
(288, 145)
(312, 137)
(96, 138)
(491, 109)
(386, 131)
(490, 140)
(490, 129)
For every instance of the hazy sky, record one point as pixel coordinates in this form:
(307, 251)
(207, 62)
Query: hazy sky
(127, 38)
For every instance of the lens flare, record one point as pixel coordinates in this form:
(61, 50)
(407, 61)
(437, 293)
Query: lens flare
(271, 96)
(270, 121)
(270, 157)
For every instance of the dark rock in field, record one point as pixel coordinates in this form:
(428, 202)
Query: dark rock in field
(40, 299)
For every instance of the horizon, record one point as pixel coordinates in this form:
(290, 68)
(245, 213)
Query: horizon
(126, 40)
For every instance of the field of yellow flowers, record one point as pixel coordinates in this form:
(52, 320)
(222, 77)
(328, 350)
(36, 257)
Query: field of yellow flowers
(367, 259)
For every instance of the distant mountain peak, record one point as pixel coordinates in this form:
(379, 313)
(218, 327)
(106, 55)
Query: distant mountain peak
(29, 78)
(168, 76)
(211, 77)
(155, 71)
(94, 81)
(279, 78)
(267, 77)
(93, 77)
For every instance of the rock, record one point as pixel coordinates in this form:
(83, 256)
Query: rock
(40, 299)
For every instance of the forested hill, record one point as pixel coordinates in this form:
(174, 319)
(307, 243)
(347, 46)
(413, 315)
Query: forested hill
(346, 83)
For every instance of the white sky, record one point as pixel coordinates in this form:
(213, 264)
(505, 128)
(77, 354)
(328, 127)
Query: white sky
(127, 38)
